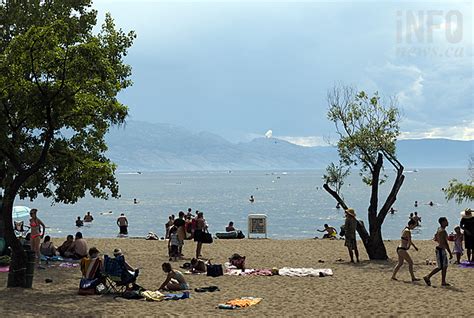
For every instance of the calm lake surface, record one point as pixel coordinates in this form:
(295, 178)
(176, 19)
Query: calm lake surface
(294, 202)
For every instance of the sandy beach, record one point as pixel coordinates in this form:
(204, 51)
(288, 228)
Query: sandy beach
(355, 289)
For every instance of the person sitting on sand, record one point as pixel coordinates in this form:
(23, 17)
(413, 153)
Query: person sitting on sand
(350, 226)
(174, 280)
(92, 266)
(331, 232)
(65, 247)
(88, 217)
(230, 227)
(402, 251)
(47, 248)
(197, 266)
(79, 248)
(79, 222)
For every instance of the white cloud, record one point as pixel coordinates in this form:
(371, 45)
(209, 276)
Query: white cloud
(306, 141)
(465, 132)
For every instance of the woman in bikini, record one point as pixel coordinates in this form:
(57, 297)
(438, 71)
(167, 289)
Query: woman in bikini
(174, 280)
(402, 251)
(36, 233)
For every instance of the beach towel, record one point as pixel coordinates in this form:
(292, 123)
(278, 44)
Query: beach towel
(53, 258)
(466, 264)
(152, 295)
(248, 272)
(177, 296)
(242, 302)
(68, 265)
(304, 272)
(4, 269)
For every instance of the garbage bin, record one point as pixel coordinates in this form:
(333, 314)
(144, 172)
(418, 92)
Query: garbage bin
(30, 268)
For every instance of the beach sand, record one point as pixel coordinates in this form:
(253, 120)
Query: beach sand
(355, 289)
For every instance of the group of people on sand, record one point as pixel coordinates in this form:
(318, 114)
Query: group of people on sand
(463, 232)
(187, 226)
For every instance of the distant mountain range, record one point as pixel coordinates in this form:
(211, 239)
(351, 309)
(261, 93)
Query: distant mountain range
(140, 146)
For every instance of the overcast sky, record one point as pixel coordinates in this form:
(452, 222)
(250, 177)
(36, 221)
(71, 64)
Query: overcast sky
(240, 68)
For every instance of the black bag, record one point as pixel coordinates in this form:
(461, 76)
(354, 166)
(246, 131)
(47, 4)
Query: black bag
(214, 270)
(206, 238)
(88, 283)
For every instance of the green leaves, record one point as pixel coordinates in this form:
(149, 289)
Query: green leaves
(367, 125)
(58, 97)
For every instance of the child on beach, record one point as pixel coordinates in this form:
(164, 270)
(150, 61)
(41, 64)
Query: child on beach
(458, 238)
(174, 280)
(173, 243)
(441, 237)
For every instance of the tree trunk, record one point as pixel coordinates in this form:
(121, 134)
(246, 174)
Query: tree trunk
(17, 275)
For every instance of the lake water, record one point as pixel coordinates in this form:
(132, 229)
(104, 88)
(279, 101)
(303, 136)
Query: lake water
(294, 202)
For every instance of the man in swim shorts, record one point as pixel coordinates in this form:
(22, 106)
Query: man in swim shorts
(441, 237)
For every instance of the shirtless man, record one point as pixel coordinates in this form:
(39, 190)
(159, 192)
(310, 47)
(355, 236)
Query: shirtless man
(441, 237)
(122, 222)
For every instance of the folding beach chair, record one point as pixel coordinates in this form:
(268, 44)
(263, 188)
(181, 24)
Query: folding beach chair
(116, 275)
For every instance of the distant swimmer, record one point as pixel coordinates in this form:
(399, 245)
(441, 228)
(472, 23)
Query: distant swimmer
(416, 204)
(88, 217)
(431, 203)
(392, 210)
(338, 206)
(252, 199)
(135, 201)
(105, 213)
(79, 222)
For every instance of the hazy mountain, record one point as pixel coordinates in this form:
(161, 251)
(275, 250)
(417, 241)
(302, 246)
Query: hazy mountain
(152, 147)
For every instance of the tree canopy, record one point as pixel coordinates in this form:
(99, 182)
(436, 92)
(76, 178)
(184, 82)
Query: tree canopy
(460, 191)
(368, 127)
(59, 82)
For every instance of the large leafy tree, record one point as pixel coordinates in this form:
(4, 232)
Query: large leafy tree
(368, 128)
(58, 97)
(460, 191)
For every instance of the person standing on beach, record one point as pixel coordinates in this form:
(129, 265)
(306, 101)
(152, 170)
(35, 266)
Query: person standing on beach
(180, 223)
(36, 233)
(441, 237)
(168, 225)
(122, 223)
(467, 224)
(199, 232)
(350, 226)
(402, 251)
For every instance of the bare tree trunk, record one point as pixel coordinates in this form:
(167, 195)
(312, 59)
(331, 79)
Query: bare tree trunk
(18, 261)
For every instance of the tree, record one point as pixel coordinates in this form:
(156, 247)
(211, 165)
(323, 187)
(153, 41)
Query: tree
(58, 92)
(367, 129)
(459, 191)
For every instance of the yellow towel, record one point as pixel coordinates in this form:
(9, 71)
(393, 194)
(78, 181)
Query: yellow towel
(244, 301)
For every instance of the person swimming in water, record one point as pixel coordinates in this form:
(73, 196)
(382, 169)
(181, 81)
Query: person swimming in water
(252, 199)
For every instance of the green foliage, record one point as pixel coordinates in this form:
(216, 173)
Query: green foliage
(459, 191)
(58, 98)
(335, 176)
(366, 125)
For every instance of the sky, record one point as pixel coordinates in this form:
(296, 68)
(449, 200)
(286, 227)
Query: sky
(241, 68)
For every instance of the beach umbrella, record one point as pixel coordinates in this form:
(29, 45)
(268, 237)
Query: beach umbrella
(20, 211)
